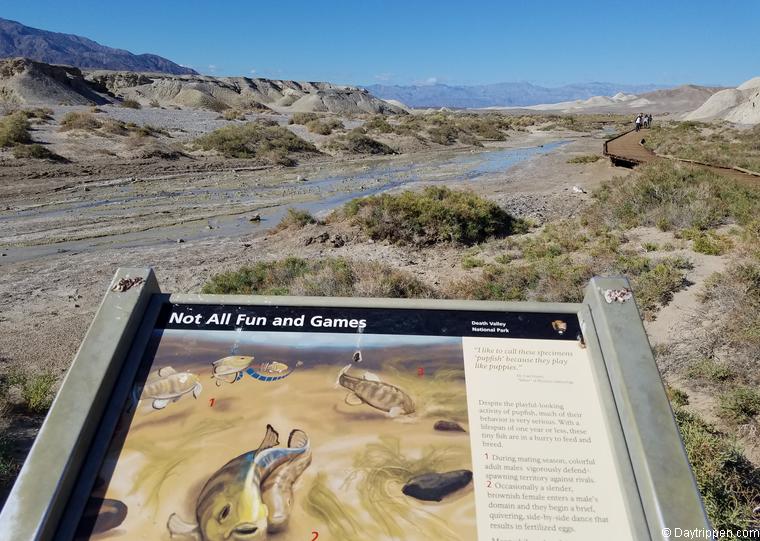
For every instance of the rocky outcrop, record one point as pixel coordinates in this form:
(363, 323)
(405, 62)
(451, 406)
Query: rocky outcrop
(29, 82)
(242, 92)
(740, 105)
(25, 81)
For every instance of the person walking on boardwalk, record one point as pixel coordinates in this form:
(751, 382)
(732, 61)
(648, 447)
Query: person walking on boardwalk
(638, 122)
(649, 120)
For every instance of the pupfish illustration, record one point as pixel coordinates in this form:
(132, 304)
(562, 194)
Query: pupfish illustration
(230, 369)
(271, 371)
(373, 392)
(168, 386)
(277, 491)
(230, 505)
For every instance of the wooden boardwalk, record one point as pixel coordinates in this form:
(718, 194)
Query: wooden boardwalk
(627, 150)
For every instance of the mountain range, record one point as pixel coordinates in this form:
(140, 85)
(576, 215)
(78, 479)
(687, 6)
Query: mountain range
(17, 40)
(500, 94)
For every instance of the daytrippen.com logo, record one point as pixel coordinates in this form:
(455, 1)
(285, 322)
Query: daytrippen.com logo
(704, 533)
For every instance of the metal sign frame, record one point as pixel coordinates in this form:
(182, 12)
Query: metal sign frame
(48, 497)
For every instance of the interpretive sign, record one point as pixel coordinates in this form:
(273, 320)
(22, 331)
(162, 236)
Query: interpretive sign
(237, 418)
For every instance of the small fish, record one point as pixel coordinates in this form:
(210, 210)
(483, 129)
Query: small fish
(230, 504)
(270, 371)
(375, 393)
(277, 490)
(169, 386)
(230, 369)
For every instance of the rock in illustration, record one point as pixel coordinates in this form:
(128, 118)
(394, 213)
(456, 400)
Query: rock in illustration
(433, 487)
(448, 426)
(101, 515)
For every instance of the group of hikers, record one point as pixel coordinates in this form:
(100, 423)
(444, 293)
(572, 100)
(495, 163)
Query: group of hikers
(643, 121)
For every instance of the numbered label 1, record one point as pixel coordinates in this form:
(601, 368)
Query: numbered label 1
(421, 371)
(211, 402)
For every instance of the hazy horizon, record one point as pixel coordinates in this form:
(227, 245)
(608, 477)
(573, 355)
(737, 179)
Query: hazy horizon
(544, 43)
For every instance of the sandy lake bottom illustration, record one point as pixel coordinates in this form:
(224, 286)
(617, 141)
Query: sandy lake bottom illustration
(290, 436)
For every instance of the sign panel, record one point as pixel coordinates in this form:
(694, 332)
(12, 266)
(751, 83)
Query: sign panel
(308, 423)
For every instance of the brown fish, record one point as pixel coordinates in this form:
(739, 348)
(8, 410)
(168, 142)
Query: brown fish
(373, 392)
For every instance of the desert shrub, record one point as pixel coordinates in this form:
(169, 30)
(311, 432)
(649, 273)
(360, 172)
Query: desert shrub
(272, 144)
(36, 390)
(436, 214)
(739, 405)
(728, 481)
(444, 134)
(356, 142)
(707, 143)
(587, 158)
(233, 114)
(298, 219)
(710, 369)
(303, 118)
(378, 123)
(155, 104)
(37, 152)
(556, 279)
(325, 277)
(657, 283)
(725, 352)
(707, 242)
(9, 464)
(471, 262)
(38, 113)
(76, 120)
(324, 126)
(674, 196)
(14, 130)
(131, 104)
(677, 397)
(212, 104)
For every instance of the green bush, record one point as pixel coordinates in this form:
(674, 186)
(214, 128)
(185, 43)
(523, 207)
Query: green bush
(325, 277)
(556, 279)
(728, 482)
(739, 405)
(272, 144)
(303, 118)
(131, 104)
(14, 130)
(673, 196)
(37, 152)
(38, 113)
(76, 120)
(356, 142)
(324, 126)
(436, 214)
(297, 219)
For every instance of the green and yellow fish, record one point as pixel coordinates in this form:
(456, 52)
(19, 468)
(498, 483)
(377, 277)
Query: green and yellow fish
(230, 505)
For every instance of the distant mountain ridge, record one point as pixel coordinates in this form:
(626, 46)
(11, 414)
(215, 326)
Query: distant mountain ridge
(500, 94)
(18, 40)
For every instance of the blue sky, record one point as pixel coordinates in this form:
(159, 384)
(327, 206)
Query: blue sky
(402, 42)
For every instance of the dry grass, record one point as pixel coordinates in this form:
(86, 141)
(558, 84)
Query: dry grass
(708, 143)
(336, 277)
(673, 196)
